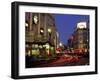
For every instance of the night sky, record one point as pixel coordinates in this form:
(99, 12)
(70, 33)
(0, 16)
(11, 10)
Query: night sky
(66, 24)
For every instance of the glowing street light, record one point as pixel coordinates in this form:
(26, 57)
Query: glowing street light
(60, 44)
(41, 31)
(49, 30)
(26, 24)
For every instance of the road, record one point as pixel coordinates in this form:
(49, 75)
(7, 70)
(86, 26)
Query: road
(68, 61)
(64, 60)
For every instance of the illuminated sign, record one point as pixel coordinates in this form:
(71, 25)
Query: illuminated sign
(81, 25)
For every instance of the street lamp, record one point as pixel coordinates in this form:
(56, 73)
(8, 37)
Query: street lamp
(60, 44)
(26, 24)
(41, 31)
(49, 30)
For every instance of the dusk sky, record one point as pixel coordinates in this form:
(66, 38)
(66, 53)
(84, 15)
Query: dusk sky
(66, 23)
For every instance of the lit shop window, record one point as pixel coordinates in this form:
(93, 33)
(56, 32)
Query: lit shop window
(35, 52)
(40, 46)
(36, 45)
(47, 46)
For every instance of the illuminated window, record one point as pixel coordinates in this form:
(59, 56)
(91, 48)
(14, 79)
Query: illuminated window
(40, 46)
(36, 45)
(81, 46)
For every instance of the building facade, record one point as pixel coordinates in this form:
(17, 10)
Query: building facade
(79, 40)
(40, 34)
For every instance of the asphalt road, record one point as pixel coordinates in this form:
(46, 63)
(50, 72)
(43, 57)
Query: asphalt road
(64, 60)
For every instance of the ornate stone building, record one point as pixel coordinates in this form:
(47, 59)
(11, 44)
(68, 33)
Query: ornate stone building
(40, 34)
